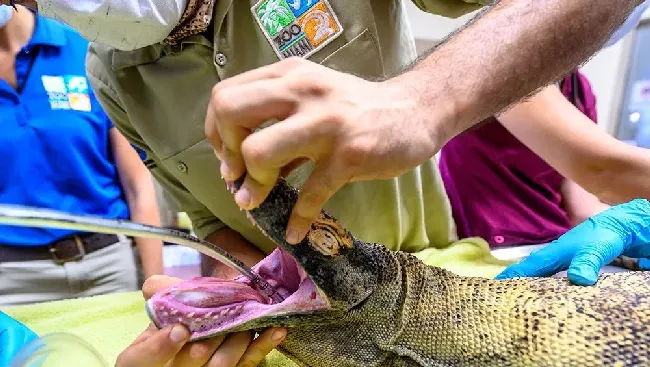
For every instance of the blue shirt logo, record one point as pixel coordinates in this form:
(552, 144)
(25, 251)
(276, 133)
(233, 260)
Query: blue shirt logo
(68, 92)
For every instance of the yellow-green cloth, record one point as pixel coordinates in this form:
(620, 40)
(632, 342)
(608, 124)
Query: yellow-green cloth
(111, 322)
(470, 257)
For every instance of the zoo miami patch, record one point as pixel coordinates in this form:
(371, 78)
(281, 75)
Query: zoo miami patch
(297, 27)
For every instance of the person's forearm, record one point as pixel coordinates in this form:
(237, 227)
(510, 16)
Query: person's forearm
(579, 204)
(512, 49)
(151, 250)
(572, 144)
(140, 194)
(625, 175)
(237, 246)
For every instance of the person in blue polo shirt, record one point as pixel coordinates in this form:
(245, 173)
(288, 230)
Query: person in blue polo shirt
(60, 151)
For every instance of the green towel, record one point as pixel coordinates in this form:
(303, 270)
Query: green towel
(111, 322)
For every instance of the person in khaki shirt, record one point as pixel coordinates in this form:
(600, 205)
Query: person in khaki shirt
(156, 77)
(409, 213)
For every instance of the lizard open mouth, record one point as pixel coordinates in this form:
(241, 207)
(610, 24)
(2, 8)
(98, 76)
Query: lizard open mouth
(213, 306)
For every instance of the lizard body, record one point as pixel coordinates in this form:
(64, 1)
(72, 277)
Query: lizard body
(351, 304)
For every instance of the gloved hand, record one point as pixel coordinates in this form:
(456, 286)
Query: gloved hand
(13, 336)
(620, 230)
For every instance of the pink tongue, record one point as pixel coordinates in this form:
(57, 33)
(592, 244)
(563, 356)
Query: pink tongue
(212, 292)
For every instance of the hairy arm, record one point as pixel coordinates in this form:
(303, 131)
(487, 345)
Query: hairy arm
(141, 198)
(569, 141)
(510, 50)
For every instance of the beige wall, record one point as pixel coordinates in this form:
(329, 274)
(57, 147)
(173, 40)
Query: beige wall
(605, 70)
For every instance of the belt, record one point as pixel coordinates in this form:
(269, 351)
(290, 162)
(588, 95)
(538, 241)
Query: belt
(71, 248)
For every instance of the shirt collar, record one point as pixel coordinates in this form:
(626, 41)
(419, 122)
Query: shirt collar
(47, 32)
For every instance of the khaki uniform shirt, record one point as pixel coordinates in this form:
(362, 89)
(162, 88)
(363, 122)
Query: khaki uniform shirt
(158, 97)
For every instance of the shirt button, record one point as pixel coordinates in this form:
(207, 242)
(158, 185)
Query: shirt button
(220, 59)
(499, 239)
(182, 167)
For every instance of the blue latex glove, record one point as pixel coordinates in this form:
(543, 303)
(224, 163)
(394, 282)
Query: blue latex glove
(644, 264)
(13, 337)
(620, 230)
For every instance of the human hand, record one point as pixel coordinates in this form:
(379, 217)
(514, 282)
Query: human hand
(620, 230)
(352, 129)
(168, 347)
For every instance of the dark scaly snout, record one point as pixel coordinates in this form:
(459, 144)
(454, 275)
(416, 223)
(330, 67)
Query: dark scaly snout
(338, 263)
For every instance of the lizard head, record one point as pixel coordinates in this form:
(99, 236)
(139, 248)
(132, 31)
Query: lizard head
(326, 275)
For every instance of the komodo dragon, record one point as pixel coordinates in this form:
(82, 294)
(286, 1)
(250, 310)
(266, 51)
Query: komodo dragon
(351, 303)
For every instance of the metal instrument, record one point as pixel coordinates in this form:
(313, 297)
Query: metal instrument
(38, 217)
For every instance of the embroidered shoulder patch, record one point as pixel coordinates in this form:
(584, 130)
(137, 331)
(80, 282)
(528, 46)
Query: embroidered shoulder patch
(297, 27)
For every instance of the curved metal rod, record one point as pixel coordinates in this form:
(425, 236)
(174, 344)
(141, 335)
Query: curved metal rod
(38, 217)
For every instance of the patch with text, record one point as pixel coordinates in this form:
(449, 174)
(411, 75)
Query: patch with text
(68, 92)
(297, 27)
